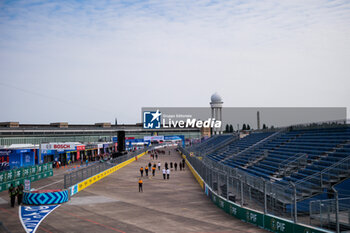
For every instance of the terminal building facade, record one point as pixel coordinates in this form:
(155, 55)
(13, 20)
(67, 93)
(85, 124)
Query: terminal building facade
(16, 133)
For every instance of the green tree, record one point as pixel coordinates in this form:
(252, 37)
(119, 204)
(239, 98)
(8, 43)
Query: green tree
(227, 129)
(248, 127)
(264, 126)
(231, 129)
(244, 127)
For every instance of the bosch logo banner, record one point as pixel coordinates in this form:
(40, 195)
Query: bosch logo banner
(151, 120)
(58, 146)
(61, 146)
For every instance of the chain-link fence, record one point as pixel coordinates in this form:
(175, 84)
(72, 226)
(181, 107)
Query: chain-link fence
(324, 213)
(284, 200)
(75, 177)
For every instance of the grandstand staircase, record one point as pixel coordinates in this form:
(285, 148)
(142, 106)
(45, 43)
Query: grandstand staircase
(256, 145)
(328, 177)
(291, 165)
(221, 145)
(265, 154)
(257, 159)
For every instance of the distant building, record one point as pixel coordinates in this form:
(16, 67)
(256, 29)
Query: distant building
(216, 110)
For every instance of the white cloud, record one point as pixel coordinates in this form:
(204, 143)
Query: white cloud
(167, 53)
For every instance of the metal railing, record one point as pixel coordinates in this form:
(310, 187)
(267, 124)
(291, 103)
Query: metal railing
(75, 177)
(254, 146)
(324, 213)
(291, 164)
(270, 197)
(198, 150)
(320, 125)
(220, 145)
(323, 179)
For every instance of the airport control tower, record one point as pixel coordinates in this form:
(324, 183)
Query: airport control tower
(216, 110)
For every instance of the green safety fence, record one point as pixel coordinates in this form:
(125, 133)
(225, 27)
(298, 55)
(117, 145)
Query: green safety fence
(257, 218)
(268, 222)
(17, 176)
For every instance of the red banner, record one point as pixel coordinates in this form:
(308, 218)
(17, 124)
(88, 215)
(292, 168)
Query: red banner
(81, 147)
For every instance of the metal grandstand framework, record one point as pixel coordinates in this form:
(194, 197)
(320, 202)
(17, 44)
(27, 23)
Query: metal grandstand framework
(279, 199)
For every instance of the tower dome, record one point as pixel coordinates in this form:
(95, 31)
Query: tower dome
(216, 98)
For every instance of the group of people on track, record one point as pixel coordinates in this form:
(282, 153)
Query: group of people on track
(166, 169)
(16, 192)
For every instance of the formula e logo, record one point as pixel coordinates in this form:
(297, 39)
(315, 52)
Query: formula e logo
(151, 120)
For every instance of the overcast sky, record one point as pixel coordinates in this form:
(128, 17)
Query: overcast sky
(92, 61)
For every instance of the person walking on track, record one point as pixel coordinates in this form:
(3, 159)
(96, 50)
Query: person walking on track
(175, 166)
(149, 165)
(146, 170)
(153, 170)
(164, 173)
(166, 165)
(168, 173)
(158, 166)
(20, 194)
(141, 171)
(140, 185)
(13, 194)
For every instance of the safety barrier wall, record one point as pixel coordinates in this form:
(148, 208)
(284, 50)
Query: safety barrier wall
(89, 181)
(265, 221)
(45, 198)
(82, 174)
(17, 176)
(195, 174)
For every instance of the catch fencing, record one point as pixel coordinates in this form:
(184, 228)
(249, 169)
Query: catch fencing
(270, 197)
(75, 177)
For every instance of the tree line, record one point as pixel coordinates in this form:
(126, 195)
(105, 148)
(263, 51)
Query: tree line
(229, 128)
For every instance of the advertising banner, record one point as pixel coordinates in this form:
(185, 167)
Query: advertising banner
(18, 173)
(33, 170)
(153, 138)
(73, 190)
(40, 168)
(90, 146)
(254, 217)
(26, 185)
(2, 177)
(5, 152)
(25, 171)
(172, 138)
(68, 156)
(81, 147)
(10, 175)
(28, 159)
(58, 146)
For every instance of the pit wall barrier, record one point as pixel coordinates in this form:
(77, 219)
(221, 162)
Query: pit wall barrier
(45, 198)
(17, 176)
(87, 182)
(257, 218)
